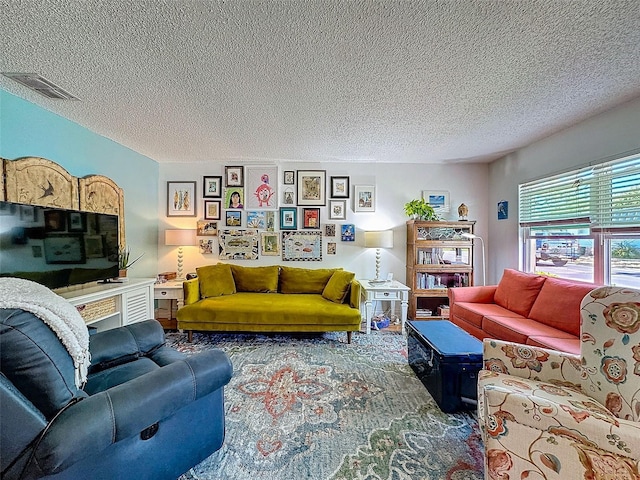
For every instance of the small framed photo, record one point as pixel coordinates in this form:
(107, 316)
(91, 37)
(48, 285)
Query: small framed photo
(330, 230)
(257, 219)
(311, 218)
(94, 246)
(348, 232)
(234, 176)
(212, 209)
(211, 187)
(288, 218)
(331, 248)
(270, 243)
(234, 197)
(503, 210)
(206, 246)
(207, 229)
(438, 199)
(338, 209)
(289, 177)
(77, 222)
(365, 198)
(312, 188)
(339, 187)
(288, 196)
(233, 218)
(181, 199)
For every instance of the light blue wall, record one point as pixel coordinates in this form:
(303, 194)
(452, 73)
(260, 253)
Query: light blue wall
(27, 130)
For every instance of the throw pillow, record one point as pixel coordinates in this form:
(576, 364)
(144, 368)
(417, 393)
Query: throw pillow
(216, 280)
(256, 279)
(338, 286)
(304, 280)
(517, 291)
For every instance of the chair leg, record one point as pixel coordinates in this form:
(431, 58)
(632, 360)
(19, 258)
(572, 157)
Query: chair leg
(190, 336)
(349, 337)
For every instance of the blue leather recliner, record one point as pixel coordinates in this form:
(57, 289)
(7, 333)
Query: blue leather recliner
(147, 411)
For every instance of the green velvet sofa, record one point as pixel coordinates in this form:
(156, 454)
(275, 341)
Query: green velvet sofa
(233, 298)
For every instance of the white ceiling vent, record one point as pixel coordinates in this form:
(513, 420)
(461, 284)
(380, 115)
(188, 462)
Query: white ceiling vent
(41, 85)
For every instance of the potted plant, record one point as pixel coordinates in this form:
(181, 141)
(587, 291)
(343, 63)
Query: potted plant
(419, 209)
(124, 254)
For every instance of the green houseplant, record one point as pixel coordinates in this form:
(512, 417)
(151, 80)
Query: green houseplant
(124, 255)
(420, 210)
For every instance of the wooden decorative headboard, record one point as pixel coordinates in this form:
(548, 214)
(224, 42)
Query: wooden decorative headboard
(38, 181)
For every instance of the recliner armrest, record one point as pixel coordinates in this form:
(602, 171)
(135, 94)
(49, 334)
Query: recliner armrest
(91, 425)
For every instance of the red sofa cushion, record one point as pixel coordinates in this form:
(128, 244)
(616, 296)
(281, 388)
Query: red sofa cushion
(517, 291)
(569, 345)
(519, 329)
(473, 313)
(558, 304)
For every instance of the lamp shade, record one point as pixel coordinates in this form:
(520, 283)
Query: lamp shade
(379, 239)
(182, 237)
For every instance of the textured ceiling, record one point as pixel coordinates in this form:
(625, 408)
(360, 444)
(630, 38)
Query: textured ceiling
(325, 80)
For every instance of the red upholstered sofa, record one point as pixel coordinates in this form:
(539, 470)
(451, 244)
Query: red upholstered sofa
(523, 308)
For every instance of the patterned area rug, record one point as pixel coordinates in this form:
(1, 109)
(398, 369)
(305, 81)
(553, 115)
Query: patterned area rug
(315, 407)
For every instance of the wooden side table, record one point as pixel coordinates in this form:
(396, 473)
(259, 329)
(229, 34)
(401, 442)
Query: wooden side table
(169, 291)
(391, 291)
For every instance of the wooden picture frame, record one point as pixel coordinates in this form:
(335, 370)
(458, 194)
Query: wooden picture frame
(212, 187)
(339, 187)
(337, 209)
(212, 209)
(288, 218)
(364, 198)
(270, 243)
(234, 176)
(311, 218)
(312, 188)
(181, 199)
(302, 246)
(207, 229)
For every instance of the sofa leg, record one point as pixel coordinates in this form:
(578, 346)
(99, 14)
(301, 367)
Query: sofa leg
(349, 337)
(190, 336)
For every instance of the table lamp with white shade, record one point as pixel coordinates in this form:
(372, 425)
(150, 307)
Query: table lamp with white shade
(378, 239)
(180, 238)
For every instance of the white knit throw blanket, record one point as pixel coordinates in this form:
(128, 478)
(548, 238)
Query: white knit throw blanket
(56, 312)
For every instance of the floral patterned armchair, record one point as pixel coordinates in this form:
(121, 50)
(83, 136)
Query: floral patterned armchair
(551, 415)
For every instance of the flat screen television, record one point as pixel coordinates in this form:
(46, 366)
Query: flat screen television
(57, 247)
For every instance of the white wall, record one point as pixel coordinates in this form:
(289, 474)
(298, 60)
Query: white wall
(395, 185)
(609, 134)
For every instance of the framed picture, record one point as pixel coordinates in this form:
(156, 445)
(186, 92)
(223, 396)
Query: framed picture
(206, 246)
(234, 197)
(94, 246)
(288, 218)
(77, 222)
(262, 187)
(233, 218)
(207, 229)
(55, 221)
(503, 210)
(238, 244)
(211, 187)
(338, 209)
(64, 249)
(312, 187)
(438, 199)
(28, 213)
(289, 177)
(270, 219)
(331, 248)
(270, 243)
(181, 199)
(234, 176)
(288, 196)
(311, 218)
(339, 187)
(302, 246)
(330, 230)
(365, 198)
(348, 232)
(257, 220)
(212, 209)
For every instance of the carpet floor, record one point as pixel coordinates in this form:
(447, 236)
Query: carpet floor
(317, 408)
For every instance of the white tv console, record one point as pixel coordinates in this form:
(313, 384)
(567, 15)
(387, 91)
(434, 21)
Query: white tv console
(110, 305)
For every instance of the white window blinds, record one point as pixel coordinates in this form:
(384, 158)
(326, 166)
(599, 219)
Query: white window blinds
(605, 196)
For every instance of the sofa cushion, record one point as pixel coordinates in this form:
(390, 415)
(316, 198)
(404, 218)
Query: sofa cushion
(517, 291)
(304, 280)
(256, 279)
(338, 285)
(558, 304)
(569, 345)
(216, 280)
(519, 329)
(473, 313)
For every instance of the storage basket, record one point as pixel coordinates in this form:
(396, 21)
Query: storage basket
(100, 308)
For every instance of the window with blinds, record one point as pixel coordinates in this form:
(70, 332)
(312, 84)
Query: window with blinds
(604, 196)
